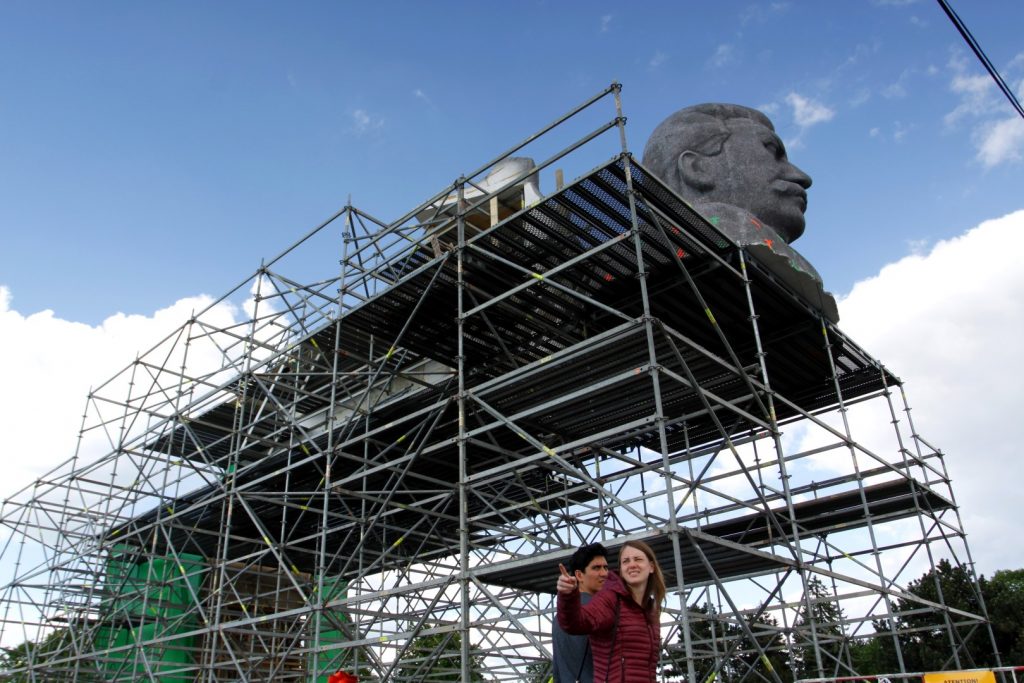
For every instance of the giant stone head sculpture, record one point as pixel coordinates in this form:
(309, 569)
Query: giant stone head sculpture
(728, 154)
(728, 163)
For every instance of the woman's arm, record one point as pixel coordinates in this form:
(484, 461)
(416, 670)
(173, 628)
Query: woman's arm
(597, 615)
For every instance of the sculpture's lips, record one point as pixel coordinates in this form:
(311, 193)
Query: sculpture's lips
(787, 189)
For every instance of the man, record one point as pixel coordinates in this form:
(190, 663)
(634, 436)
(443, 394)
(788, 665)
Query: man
(572, 660)
(728, 163)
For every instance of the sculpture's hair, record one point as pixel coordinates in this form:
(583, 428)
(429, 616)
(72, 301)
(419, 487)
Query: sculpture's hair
(654, 593)
(702, 128)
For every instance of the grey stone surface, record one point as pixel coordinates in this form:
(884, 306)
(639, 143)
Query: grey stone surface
(728, 163)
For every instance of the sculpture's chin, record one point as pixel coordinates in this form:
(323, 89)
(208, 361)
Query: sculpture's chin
(789, 227)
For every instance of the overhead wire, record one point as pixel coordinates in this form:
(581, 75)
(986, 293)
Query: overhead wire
(982, 57)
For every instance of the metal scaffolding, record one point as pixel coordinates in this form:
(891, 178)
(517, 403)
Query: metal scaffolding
(378, 465)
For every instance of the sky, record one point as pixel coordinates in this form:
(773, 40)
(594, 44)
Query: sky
(152, 154)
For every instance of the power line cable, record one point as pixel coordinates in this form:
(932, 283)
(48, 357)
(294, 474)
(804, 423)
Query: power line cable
(982, 57)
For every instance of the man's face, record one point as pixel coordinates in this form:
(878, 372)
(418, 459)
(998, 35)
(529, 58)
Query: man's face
(753, 172)
(592, 578)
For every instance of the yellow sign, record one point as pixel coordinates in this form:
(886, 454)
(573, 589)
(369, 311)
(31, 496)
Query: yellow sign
(960, 677)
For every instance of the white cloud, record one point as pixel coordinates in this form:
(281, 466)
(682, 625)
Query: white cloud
(52, 364)
(606, 22)
(83, 391)
(760, 13)
(1000, 141)
(975, 96)
(363, 122)
(945, 321)
(860, 97)
(807, 112)
(897, 131)
(420, 95)
(725, 54)
(917, 247)
(996, 131)
(894, 91)
(658, 59)
(898, 89)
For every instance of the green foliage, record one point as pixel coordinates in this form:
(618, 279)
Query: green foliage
(719, 642)
(436, 657)
(923, 637)
(874, 655)
(819, 621)
(35, 654)
(923, 634)
(538, 672)
(1004, 598)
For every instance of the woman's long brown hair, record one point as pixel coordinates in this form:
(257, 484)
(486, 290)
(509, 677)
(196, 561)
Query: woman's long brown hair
(655, 591)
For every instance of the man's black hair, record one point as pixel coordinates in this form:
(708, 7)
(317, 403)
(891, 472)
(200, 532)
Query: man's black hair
(585, 555)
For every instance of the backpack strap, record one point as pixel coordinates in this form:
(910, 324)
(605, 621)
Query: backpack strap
(583, 661)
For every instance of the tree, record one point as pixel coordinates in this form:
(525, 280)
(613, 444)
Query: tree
(436, 657)
(719, 642)
(925, 638)
(538, 672)
(34, 654)
(1004, 598)
(874, 655)
(819, 622)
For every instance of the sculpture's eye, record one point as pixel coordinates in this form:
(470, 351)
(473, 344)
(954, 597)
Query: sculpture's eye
(775, 148)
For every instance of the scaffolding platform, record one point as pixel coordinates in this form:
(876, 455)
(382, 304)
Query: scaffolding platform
(571, 372)
(384, 464)
(729, 546)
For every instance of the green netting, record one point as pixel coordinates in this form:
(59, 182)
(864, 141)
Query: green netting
(148, 603)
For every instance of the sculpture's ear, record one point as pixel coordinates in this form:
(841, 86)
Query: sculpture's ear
(694, 172)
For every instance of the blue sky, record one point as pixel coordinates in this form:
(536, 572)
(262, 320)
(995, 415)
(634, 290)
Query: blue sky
(152, 153)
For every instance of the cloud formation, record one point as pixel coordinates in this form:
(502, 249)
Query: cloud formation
(363, 122)
(53, 363)
(808, 112)
(997, 132)
(725, 54)
(1000, 141)
(943, 321)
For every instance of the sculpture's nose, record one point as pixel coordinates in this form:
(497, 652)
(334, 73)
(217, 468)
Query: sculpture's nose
(794, 174)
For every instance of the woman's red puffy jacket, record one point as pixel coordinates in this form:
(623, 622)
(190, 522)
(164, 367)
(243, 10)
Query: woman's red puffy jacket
(633, 656)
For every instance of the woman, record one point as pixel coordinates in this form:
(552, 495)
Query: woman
(622, 619)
